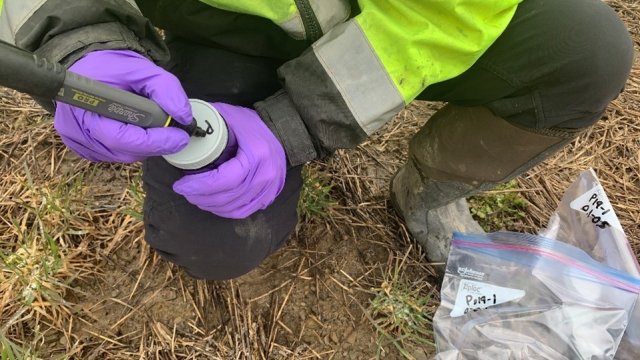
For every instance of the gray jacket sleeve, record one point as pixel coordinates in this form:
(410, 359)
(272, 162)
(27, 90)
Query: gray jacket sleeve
(64, 30)
(335, 95)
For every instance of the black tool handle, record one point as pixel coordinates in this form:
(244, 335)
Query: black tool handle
(23, 71)
(27, 73)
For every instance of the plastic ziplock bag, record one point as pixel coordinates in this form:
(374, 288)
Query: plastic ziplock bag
(509, 295)
(586, 219)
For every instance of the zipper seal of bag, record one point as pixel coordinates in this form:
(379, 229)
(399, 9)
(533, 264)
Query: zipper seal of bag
(607, 279)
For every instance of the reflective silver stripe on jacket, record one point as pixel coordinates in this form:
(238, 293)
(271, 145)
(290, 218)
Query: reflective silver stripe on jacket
(5, 28)
(294, 27)
(347, 56)
(329, 13)
(15, 13)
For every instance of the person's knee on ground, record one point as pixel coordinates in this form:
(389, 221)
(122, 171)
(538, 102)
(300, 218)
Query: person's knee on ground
(463, 150)
(217, 255)
(207, 246)
(212, 250)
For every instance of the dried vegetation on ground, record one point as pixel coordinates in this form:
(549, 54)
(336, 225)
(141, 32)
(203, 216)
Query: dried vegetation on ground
(77, 280)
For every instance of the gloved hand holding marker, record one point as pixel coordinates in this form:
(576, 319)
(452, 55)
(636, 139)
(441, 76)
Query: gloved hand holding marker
(86, 125)
(234, 164)
(124, 106)
(35, 76)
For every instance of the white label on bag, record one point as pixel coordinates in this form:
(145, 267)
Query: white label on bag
(596, 206)
(474, 296)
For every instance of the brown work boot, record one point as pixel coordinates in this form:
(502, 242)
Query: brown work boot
(430, 227)
(459, 152)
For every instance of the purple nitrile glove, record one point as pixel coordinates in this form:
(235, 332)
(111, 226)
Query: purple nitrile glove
(98, 138)
(246, 183)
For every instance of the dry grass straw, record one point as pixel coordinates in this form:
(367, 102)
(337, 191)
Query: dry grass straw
(78, 281)
(38, 260)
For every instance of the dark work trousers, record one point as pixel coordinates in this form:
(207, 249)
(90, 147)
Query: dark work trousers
(205, 245)
(558, 64)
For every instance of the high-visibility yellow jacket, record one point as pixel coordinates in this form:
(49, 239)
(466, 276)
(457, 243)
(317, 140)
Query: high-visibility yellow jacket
(363, 66)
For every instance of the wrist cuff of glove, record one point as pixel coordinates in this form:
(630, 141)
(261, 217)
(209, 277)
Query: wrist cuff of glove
(281, 116)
